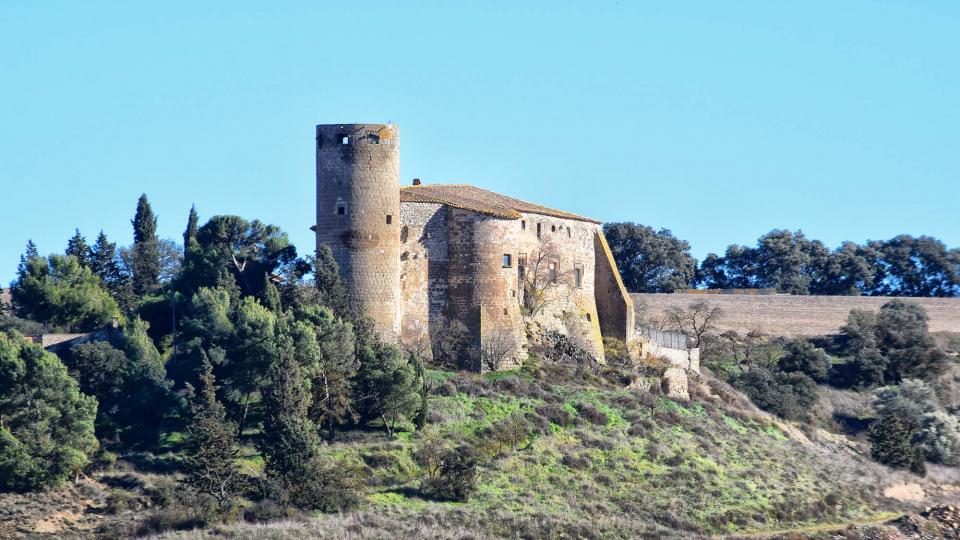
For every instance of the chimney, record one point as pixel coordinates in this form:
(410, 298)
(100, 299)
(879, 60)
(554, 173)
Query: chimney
(416, 181)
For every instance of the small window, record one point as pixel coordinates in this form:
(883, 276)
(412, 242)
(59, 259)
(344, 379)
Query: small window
(578, 276)
(389, 219)
(569, 234)
(341, 210)
(507, 260)
(553, 228)
(505, 311)
(538, 230)
(345, 140)
(523, 224)
(513, 293)
(589, 318)
(552, 270)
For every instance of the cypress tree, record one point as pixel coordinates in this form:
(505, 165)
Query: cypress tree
(191, 232)
(28, 255)
(212, 449)
(77, 247)
(146, 249)
(289, 441)
(326, 273)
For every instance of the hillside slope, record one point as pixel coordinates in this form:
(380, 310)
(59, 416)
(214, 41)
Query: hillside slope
(602, 462)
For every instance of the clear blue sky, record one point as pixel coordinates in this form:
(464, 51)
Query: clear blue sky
(717, 120)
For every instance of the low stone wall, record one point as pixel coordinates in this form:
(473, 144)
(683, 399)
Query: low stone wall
(686, 359)
(793, 316)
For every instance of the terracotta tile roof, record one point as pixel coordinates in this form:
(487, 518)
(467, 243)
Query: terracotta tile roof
(480, 200)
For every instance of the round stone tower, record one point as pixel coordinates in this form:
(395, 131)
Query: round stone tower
(358, 214)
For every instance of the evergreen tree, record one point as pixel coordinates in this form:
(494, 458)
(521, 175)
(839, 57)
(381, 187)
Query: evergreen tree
(77, 247)
(890, 444)
(59, 292)
(105, 264)
(29, 254)
(46, 424)
(191, 231)
(326, 274)
(253, 350)
(247, 251)
(289, 440)
(420, 420)
(212, 450)
(145, 259)
(386, 386)
(325, 348)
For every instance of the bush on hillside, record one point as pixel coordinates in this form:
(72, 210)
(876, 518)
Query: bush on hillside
(890, 444)
(788, 395)
(456, 478)
(801, 356)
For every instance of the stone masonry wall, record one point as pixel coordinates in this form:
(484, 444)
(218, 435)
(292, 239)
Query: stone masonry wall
(613, 300)
(424, 272)
(358, 207)
(452, 265)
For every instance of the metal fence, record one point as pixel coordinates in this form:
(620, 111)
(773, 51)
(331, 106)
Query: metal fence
(671, 340)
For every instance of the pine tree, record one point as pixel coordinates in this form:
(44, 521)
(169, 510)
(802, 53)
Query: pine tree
(47, 431)
(77, 247)
(212, 450)
(146, 249)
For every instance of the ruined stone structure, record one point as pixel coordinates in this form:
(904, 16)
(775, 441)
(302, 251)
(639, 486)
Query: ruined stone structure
(427, 260)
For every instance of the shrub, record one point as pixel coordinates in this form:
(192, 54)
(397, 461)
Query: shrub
(939, 438)
(190, 512)
(788, 395)
(268, 510)
(803, 357)
(555, 414)
(328, 485)
(575, 461)
(456, 479)
(118, 501)
(507, 433)
(890, 444)
(592, 414)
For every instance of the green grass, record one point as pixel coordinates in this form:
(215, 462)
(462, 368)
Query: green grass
(693, 465)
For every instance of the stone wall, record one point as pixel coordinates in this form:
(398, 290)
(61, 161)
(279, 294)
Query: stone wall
(358, 214)
(424, 272)
(453, 268)
(613, 301)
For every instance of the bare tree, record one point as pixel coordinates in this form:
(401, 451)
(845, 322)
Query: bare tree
(697, 320)
(417, 342)
(496, 347)
(542, 277)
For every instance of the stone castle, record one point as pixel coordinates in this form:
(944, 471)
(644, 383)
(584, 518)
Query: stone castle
(424, 259)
